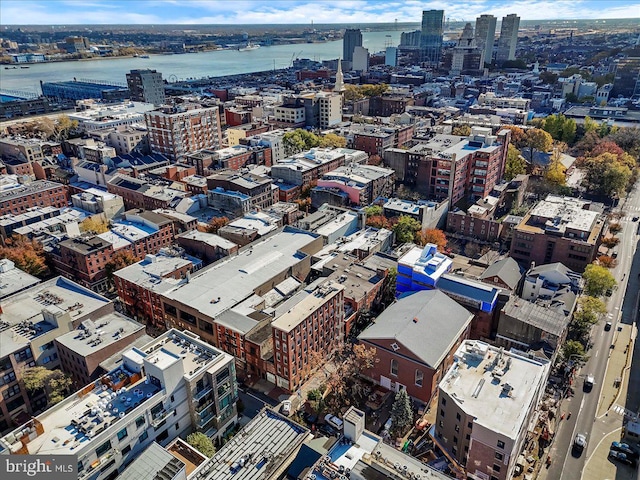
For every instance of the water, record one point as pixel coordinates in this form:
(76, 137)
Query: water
(185, 66)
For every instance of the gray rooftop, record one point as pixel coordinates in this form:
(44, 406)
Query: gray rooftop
(13, 280)
(233, 279)
(549, 318)
(264, 443)
(506, 269)
(155, 463)
(427, 323)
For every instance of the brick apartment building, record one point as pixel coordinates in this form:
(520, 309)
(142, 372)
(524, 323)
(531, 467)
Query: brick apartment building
(178, 130)
(305, 168)
(307, 333)
(258, 188)
(558, 229)
(17, 198)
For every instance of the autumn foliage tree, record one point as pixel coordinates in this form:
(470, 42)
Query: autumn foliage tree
(432, 235)
(28, 255)
(94, 225)
(119, 260)
(216, 223)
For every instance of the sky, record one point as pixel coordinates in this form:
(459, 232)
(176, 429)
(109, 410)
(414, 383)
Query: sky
(66, 12)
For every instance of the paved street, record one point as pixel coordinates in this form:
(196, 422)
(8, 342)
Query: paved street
(599, 413)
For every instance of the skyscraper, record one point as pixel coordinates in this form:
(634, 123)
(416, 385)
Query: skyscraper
(466, 57)
(352, 39)
(146, 86)
(508, 38)
(486, 34)
(431, 38)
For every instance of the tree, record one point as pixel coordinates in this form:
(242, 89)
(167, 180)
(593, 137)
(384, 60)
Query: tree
(462, 130)
(516, 165)
(548, 78)
(555, 173)
(597, 280)
(378, 221)
(331, 140)
(55, 383)
(406, 229)
(517, 136)
(536, 140)
(119, 260)
(94, 225)
(202, 443)
(373, 210)
(628, 139)
(592, 304)
(28, 255)
(615, 227)
(607, 173)
(572, 349)
(607, 261)
(401, 413)
(298, 141)
(560, 128)
(369, 90)
(216, 223)
(471, 249)
(432, 235)
(610, 242)
(389, 287)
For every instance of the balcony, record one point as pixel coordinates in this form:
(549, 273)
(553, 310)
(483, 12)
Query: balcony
(157, 418)
(203, 407)
(206, 419)
(198, 395)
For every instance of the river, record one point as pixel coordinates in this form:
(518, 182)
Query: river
(185, 66)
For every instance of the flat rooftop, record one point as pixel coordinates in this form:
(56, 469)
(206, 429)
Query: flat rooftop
(55, 296)
(242, 273)
(152, 272)
(494, 386)
(8, 192)
(13, 280)
(256, 451)
(208, 238)
(309, 303)
(105, 331)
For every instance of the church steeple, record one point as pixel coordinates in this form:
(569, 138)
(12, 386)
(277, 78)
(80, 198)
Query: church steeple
(339, 86)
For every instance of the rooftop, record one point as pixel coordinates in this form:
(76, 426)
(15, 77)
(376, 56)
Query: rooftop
(154, 463)
(208, 238)
(154, 272)
(243, 273)
(257, 451)
(407, 319)
(309, 303)
(543, 315)
(9, 191)
(13, 280)
(33, 312)
(92, 336)
(498, 388)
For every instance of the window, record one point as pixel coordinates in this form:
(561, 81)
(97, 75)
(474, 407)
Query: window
(394, 367)
(499, 456)
(500, 444)
(104, 448)
(177, 426)
(139, 421)
(442, 412)
(126, 449)
(122, 434)
(444, 402)
(457, 416)
(419, 377)
(143, 437)
(457, 428)
(496, 468)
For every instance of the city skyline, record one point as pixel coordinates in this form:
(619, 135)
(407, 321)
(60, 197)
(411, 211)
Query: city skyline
(69, 12)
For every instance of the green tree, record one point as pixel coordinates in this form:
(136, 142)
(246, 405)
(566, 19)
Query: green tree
(401, 413)
(573, 349)
(592, 304)
(406, 229)
(589, 124)
(373, 210)
(298, 141)
(55, 383)
(515, 165)
(202, 443)
(597, 280)
(548, 78)
(377, 90)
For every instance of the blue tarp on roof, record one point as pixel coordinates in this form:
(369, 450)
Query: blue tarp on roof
(483, 295)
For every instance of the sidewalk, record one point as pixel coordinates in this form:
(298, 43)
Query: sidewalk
(610, 415)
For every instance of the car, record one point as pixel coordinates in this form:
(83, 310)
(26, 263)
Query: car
(285, 408)
(327, 430)
(334, 421)
(635, 219)
(607, 326)
(387, 427)
(580, 442)
(622, 457)
(588, 383)
(624, 448)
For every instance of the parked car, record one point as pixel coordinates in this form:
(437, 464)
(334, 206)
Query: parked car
(285, 409)
(334, 421)
(624, 448)
(635, 219)
(622, 458)
(607, 326)
(386, 428)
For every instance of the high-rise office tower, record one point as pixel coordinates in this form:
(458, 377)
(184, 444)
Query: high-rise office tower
(146, 86)
(508, 38)
(466, 57)
(486, 34)
(431, 38)
(352, 39)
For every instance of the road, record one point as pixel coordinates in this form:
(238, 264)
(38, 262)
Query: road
(566, 465)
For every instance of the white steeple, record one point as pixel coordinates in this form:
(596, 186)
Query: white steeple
(339, 86)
